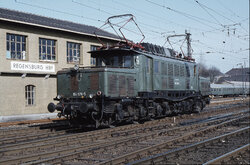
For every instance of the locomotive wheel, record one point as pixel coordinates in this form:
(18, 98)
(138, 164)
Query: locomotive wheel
(119, 112)
(203, 104)
(166, 108)
(110, 123)
(159, 110)
(197, 107)
(142, 112)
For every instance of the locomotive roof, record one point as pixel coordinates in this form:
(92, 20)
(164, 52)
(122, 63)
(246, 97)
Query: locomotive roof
(107, 51)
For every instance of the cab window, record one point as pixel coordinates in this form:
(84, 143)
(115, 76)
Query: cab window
(115, 61)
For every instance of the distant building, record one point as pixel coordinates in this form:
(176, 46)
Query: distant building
(32, 49)
(236, 75)
(239, 74)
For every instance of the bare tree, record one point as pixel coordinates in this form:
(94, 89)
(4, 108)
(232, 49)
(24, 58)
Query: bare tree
(209, 72)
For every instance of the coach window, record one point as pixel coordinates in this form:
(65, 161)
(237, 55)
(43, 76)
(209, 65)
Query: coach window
(47, 49)
(16, 46)
(30, 94)
(73, 52)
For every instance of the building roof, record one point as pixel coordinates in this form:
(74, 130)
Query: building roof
(235, 74)
(52, 23)
(238, 71)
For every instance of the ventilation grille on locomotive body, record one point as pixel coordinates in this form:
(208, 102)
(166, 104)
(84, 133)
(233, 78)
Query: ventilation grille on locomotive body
(94, 81)
(112, 84)
(125, 85)
(131, 84)
(170, 70)
(74, 85)
(164, 83)
(122, 87)
(182, 74)
(176, 70)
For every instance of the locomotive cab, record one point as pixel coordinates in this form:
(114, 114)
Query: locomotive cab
(114, 58)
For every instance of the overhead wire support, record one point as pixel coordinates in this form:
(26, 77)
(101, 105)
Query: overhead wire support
(204, 6)
(187, 38)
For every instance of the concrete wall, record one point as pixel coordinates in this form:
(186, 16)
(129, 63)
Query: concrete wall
(12, 85)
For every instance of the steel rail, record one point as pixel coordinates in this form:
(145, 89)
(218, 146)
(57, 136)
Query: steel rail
(100, 132)
(30, 137)
(94, 134)
(165, 145)
(31, 130)
(61, 156)
(162, 157)
(72, 139)
(226, 157)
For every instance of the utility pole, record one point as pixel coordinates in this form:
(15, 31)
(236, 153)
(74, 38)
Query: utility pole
(189, 54)
(242, 76)
(245, 86)
(242, 79)
(187, 37)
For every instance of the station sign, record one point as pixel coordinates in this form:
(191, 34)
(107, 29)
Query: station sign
(32, 67)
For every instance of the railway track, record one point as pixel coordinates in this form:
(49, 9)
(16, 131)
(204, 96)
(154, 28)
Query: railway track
(28, 122)
(179, 140)
(197, 153)
(70, 147)
(22, 134)
(237, 156)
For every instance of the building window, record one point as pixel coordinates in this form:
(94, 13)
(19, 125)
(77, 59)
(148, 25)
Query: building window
(30, 94)
(16, 46)
(47, 49)
(93, 60)
(73, 52)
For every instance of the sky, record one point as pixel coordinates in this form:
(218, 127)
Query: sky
(219, 28)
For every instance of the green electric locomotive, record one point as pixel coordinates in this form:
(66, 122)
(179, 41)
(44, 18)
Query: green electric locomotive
(130, 84)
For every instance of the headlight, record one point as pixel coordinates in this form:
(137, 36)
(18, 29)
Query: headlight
(99, 93)
(76, 67)
(91, 96)
(59, 97)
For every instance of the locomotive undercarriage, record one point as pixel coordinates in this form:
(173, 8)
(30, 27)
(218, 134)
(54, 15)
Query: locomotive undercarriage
(106, 111)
